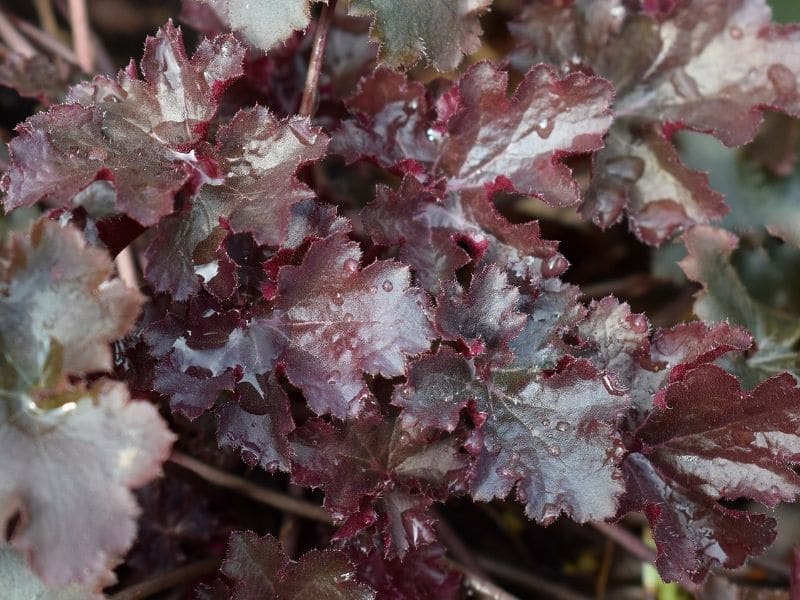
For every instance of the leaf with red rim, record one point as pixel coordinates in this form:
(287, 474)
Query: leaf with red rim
(724, 297)
(331, 323)
(665, 63)
(257, 156)
(430, 231)
(140, 134)
(483, 319)
(706, 440)
(391, 486)
(525, 139)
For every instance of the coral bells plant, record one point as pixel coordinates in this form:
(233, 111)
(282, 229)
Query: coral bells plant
(270, 320)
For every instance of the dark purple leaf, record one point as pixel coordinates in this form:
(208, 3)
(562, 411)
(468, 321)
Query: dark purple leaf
(707, 440)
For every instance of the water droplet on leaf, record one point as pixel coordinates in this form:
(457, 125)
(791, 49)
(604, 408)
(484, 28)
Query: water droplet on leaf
(387, 286)
(351, 265)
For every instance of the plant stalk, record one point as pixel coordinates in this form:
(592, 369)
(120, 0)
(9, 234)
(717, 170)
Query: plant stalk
(308, 105)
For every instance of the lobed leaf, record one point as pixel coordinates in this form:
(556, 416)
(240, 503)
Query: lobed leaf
(440, 31)
(724, 297)
(139, 134)
(390, 486)
(665, 65)
(706, 440)
(258, 568)
(265, 23)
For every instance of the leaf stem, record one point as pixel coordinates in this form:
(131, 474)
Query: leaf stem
(523, 578)
(45, 40)
(481, 585)
(625, 539)
(81, 35)
(15, 40)
(308, 105)
(164, 581)
(250, 490)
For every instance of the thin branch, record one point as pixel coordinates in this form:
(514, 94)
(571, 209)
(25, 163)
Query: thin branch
(250, 490)
(626, 540)
(481, 585)
(45, 40)
(526, 579)
(308, 105)
(126, 268)
(601, 583)
(166, 581)
(453, 542)
(81, 34)
(14, 39)
(47, 18)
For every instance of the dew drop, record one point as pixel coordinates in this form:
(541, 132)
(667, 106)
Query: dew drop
(373, 290)
(638, 323)
(554, 266)
(387, 286)
(434, 135)
(405, 438)
(736, 32)
(544, 128)
(351, 265)
(333, 377)
(782, 79)
(338, 299)
(562, 425)
(348, 317)
(545, 422)
(344, 577)
(554, 451)
(249, 453)
(506, 473)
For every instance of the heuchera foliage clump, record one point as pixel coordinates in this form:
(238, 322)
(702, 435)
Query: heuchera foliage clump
(402, 351)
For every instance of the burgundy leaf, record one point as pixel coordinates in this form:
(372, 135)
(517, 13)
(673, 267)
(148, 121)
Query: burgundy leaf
(342, 322)
(258, 426)
(483, 319)
(392, 122)
(672, 69)
(331, 323)
(706, 440)
(422, 573)
(257, 156)
(430, 230)
(524, 140)
(260, 570)
(140, 134)
(391, 485)
(553, 438)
